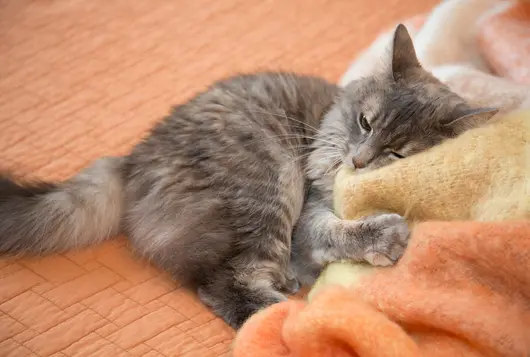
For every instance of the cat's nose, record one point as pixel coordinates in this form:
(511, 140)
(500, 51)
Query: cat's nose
(358, 163)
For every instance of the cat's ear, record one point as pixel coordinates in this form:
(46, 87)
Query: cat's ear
(403, 53)
(469, 118)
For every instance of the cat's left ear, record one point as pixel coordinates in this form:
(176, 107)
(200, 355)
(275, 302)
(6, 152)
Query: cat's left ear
(404, 56)
(469, 118)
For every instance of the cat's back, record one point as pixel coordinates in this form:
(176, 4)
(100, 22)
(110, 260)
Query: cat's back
(238, 101)
(283, 90)
(240, 113)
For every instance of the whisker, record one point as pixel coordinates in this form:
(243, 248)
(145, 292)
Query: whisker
(305, 125)
(314, 138)
(333, 167)
(299, 157)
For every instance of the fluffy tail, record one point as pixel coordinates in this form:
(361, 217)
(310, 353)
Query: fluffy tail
(45, 218)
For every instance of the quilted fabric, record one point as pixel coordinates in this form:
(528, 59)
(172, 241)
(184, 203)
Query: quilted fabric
(81, 79)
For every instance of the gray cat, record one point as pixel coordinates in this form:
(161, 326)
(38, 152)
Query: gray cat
(216, 190)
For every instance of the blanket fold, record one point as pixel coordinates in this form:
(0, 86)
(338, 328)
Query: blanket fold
(462, 289)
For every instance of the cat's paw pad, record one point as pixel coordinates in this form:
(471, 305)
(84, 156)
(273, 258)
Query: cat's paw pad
(388, 241)
(377, 259)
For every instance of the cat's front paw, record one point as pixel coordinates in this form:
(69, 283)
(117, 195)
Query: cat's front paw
(287, 282)
(385, 239)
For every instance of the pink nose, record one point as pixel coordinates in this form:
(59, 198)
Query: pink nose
(359, 164)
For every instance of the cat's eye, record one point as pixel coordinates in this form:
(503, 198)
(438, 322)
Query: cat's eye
(397, 155)
(363, 122)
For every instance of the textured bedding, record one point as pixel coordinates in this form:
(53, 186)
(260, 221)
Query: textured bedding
(80, 79)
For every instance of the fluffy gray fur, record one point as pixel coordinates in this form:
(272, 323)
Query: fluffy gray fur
(215, 192)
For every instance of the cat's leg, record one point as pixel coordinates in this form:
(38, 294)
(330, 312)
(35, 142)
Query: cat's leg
(232, 244)
(320, 237)
(255, 278)
(235, 294)
(258, 274)
(235, 273)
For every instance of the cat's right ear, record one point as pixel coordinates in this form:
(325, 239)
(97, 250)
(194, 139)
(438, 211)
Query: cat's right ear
(404, 56)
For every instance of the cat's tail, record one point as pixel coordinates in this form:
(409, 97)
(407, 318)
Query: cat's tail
(40, 218)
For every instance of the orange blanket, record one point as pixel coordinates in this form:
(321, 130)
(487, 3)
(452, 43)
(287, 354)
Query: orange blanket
(462, 289)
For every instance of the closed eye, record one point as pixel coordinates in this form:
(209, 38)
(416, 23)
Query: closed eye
(363, 122)
(397, 155)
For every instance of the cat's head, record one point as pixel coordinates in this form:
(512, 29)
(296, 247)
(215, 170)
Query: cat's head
(399, 111)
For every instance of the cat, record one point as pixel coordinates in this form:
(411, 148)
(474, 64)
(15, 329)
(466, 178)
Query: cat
(231, 192)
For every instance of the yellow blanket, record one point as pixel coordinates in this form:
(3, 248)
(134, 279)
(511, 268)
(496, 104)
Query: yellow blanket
(481, 175)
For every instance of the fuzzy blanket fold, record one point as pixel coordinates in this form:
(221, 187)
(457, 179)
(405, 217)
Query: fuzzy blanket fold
(461, 289)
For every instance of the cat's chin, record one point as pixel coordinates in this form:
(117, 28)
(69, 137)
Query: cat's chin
(348, 165)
